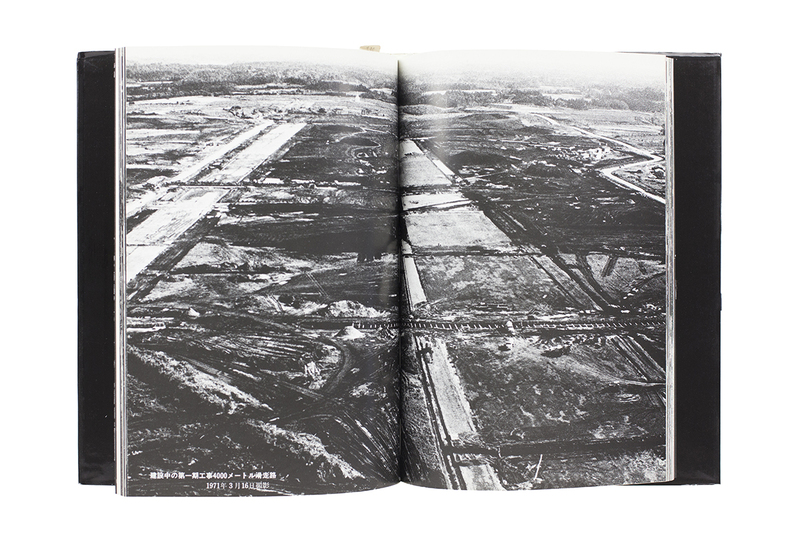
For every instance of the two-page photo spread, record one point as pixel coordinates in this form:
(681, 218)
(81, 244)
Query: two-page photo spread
(345, 269)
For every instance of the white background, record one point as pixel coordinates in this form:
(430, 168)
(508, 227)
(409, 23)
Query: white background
(38, 474)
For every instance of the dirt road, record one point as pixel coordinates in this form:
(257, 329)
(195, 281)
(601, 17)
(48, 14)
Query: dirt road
(608, 172)
(178, 210)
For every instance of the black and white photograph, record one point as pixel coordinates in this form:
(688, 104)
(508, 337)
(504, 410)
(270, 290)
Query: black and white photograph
(343, 270)
(534, 261)
(261, 296)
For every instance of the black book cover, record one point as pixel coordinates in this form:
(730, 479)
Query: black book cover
(697, 267)
(96, 268)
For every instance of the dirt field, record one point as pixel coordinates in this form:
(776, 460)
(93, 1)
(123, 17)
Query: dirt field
(456, 228)
(571, 386)
(475, 285)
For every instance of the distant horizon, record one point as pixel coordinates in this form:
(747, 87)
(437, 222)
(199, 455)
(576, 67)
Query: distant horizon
(579, 67)
(638, 69)
(232, 55)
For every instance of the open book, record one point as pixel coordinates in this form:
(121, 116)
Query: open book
(339, 269)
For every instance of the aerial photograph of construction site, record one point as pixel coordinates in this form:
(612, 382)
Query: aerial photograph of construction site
(261, 301)
(338, 277)
(533, 256)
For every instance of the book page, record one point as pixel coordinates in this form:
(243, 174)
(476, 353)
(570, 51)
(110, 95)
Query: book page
(261, 290)
(533, 248)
